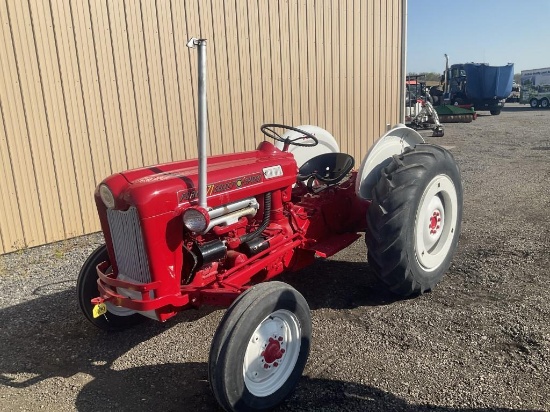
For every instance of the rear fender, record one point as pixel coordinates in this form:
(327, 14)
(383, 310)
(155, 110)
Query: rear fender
(327, 143)
(379, 156)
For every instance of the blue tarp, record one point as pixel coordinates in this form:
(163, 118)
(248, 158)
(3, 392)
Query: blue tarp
(487, 82)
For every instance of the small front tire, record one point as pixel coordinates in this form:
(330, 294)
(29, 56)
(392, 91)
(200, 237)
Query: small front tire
(260, 348)
(116, 318)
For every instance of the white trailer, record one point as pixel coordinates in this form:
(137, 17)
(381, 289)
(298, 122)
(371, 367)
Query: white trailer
(535, 87)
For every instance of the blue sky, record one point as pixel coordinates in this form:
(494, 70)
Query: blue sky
(481, 31)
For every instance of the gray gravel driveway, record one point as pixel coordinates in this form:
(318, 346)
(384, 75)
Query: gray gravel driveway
(479, 342)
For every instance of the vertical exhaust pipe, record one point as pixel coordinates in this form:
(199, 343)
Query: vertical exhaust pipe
(200, 44)
(446, 76)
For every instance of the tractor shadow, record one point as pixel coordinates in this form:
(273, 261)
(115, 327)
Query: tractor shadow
(523, 108)
(48, 337)
(336, 284)
(184, 387)
(333, 395)
(164, 387)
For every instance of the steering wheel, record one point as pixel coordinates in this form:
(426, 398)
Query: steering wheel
(267, 129)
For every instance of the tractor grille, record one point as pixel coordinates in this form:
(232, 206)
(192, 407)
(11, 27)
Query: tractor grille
(128, 244)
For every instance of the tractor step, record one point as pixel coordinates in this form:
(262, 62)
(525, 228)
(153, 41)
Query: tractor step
(333, 244)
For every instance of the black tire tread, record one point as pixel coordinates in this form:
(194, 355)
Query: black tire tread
(227, 324)
(230, 327)
(86, 287)
(391, 207)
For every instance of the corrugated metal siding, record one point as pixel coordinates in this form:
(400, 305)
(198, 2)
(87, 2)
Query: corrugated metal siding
(91, 87)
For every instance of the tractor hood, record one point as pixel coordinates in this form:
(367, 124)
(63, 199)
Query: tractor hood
(169, 187)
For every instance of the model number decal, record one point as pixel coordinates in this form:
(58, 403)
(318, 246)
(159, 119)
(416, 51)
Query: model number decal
(273, 171)
(220, 187)
(187, 194)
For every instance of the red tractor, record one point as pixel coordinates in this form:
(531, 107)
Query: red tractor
(210, 231)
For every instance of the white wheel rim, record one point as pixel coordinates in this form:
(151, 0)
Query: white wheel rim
(272, 353)
(118, 311)
(435, 222)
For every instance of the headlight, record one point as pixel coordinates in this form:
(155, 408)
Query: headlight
(107, 196)
(196, 219)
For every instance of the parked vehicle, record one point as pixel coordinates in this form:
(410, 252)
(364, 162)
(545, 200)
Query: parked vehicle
(535, 87)
(477, 84)
(419, 111)
(515, 94)
(209, 231)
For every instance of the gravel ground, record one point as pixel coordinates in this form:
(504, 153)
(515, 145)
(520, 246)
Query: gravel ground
(480, 341)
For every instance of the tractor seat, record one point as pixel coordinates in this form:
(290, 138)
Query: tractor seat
(328, 168)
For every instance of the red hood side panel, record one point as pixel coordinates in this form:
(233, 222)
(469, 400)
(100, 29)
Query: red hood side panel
(158, 189)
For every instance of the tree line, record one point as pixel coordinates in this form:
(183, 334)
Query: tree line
(429, 77)
(435, 77)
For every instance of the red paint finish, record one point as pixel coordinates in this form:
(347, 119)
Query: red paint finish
(434, 222)
(182, 274)
(273, 351)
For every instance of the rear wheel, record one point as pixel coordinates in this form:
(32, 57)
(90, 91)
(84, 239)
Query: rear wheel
(260, 349)
(414, 219)
(116, 318)
(534, 103)
(544, 103)
(495, 112)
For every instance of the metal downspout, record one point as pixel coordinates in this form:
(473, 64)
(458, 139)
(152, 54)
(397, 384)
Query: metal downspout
(403, 59)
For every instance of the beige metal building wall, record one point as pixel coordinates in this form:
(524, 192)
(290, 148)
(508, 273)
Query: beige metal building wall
(91, 87)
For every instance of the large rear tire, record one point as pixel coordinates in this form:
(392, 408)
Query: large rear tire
(260, 348)
(534, 103)
(414, 219)
(116, 318)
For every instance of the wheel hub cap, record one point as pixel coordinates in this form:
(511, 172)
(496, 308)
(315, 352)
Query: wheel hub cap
(435, 222)
(272, 353)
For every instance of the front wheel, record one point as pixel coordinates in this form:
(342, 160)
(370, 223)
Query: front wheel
(495, 112)
(116, 318)
(260, 348)
(414, 219)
